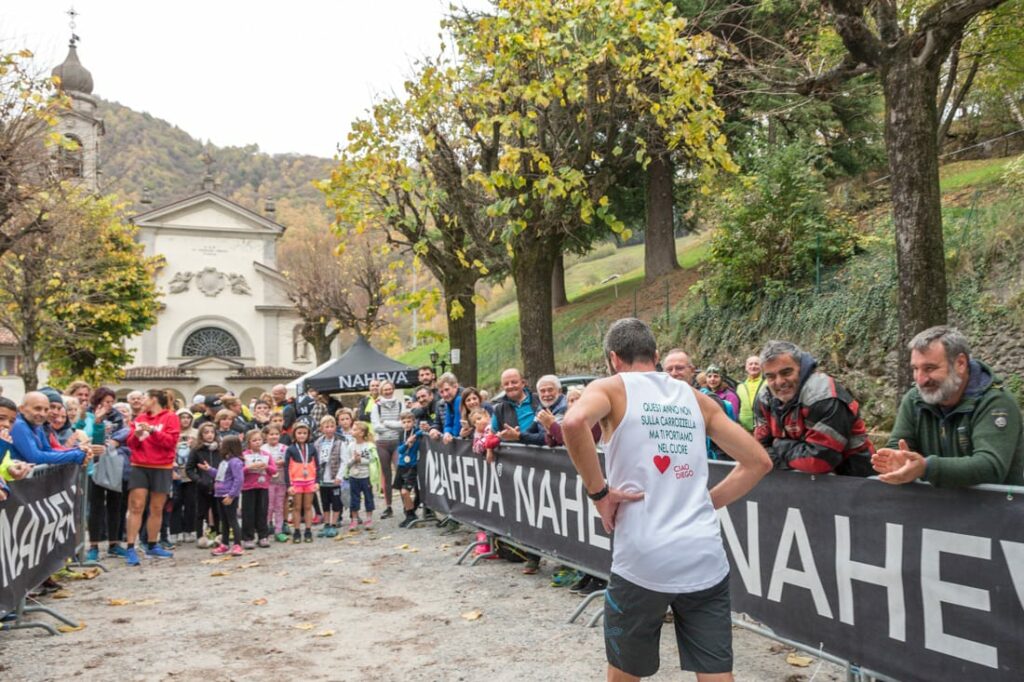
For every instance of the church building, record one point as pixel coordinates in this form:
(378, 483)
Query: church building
(225, 323)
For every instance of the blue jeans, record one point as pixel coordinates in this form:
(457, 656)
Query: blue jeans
(360, 487)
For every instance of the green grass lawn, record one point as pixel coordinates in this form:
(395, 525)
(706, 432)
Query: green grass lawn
(977, 174)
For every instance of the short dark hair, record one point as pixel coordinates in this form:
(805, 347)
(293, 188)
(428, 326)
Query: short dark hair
(99, 394)
(774, 349)
(632, 340)
(423, 367)
(163, 398)
(7, 403)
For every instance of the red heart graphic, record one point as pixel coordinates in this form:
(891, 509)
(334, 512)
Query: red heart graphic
(662, 462)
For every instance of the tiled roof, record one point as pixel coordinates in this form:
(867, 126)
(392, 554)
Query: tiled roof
(167, 372)
(6, 337)
(266, 372)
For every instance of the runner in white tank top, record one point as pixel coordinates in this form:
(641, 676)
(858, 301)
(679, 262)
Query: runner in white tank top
(669, 540)
(667, 549)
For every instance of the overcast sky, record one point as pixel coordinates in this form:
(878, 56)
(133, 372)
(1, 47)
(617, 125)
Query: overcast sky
(288, 76)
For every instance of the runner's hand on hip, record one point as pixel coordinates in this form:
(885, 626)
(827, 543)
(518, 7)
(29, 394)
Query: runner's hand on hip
(608, 506)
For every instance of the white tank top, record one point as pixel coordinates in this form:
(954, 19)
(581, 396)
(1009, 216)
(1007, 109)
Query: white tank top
(669, 541)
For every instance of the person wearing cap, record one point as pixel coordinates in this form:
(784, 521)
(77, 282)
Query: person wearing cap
(212, 404)
(717, 386)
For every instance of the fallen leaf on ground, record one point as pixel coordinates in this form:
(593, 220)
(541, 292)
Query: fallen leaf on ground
(70, 628)
(472, 615)
(219, 574)
(325, 633)
(218, 560)
(118, 602)
(303, 626)
(282, 574)
(332, 561)
(445, 546)
(259, 602)
(799, 661)
(405, 546)
(84, 574)
(386, 537)
(251, 564)
(148, 602)
(63, 594)
(413, 550)
(369, 581)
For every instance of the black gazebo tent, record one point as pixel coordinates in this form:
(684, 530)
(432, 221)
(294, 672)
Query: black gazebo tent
(354, 370)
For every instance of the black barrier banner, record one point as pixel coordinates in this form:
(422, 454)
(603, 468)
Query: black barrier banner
(912, 581)
(37, 530)
(531, 495)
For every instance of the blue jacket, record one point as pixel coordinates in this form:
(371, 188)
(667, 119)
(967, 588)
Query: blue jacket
(453, 417)
(32, 445)
(519, 414)
(409, 455)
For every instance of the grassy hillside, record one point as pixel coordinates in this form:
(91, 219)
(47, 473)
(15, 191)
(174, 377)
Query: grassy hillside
(142, 150)
(850, 324)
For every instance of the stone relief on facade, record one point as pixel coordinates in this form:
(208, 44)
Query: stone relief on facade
(209, 281)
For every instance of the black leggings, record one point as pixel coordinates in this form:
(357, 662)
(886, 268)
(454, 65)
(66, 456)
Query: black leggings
(229, 521)
(205, 503)
(254, 513)
(386, 453)
(184, 512)
(105, 516)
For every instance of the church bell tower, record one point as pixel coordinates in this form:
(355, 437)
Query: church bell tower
(79, 123)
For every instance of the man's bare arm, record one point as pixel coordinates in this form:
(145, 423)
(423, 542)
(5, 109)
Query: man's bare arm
(752, 462)
(593, 406)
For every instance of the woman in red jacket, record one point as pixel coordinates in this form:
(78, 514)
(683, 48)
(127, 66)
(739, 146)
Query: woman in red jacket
(153, 441)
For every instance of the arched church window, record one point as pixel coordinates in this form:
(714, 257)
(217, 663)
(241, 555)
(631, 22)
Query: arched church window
(211, 341)
(70, 158)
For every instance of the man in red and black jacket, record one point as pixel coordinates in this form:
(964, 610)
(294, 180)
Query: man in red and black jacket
(806, 419)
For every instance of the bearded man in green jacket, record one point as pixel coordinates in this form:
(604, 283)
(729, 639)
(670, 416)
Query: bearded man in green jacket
(957, 426)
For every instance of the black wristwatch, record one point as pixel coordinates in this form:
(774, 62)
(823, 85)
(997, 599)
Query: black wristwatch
(600, 494)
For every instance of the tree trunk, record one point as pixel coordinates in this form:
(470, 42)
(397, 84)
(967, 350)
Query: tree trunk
(28, 369)
(532, 260)
(462, 331)
(660, 242)
(911, 124)
(317, 336)
(559, 297)
(1014, 109)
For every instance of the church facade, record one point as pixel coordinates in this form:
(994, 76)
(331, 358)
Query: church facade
(226, 323)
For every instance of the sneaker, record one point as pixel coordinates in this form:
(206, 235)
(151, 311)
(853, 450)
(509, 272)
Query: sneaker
(248, 544)
(353, 525)
(317, 519)
(322, 533)
(429, 515)
(131, 558)
(116, 550)
(388, 513)
(236, 550)
(410, 518)
(191, 537)
(531, 567)
(263, 543)
(297, 536)
(220, 550)
(166, 544)
(159, 552)
(203, 543)
(281, 537)
(368, 524)
(565, 578)
(580, 584)
(309, 535)
(331, 532)
(93, 554)
(595, 585)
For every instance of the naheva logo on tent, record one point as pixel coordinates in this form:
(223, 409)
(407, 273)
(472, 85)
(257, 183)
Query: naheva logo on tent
(662, 463)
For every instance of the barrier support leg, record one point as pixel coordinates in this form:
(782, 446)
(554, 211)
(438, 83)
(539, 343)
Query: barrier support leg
(50, 612)
(20, 623)
(600, 612)
(583, 606)
(469, 549)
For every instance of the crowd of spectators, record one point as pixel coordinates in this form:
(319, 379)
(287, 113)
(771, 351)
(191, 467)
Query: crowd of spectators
(304, 462)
